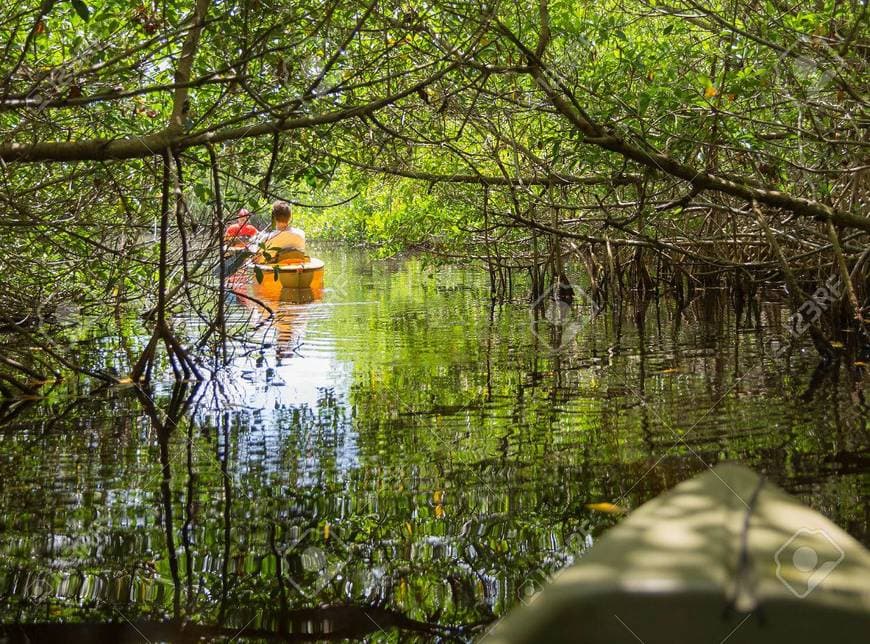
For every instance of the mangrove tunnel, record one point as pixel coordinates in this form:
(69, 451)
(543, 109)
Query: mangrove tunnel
(361, 320)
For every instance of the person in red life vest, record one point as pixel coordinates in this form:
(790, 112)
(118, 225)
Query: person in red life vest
(240, 233)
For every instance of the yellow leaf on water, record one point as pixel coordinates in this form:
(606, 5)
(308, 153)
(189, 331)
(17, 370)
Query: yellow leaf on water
(836, 344)
(439, 511)
(673, 370)
(859, 363)
(438, 497)
(607, 508)
(710, 92)
(326, 532)
(409, 528)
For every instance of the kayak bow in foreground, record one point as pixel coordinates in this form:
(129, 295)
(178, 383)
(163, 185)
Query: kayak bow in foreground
(723, 556)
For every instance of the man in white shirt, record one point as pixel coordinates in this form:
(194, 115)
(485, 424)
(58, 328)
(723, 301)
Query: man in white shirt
(285, 244)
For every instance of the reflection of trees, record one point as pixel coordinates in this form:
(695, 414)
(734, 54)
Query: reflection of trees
(302, 625)
(467, 482)
(251, 584)
(164, 423)
(276, 308)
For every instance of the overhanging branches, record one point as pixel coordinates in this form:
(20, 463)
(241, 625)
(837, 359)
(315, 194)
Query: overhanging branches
(486, 180)
(151, 145)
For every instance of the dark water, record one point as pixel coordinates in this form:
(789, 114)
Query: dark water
(399, 446)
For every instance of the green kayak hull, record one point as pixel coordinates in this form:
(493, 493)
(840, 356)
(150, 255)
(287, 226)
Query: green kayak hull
(723, 557)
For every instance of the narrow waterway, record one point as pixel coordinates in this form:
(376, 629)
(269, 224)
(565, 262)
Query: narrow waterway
(402, 445)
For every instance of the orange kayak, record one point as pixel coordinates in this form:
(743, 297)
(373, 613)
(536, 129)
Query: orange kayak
(307, 274)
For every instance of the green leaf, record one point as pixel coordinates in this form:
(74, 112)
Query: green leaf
(81, 9)
(258, 274)
(203, 193)
(643, 102)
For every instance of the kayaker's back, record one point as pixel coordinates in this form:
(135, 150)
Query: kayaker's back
(285, 246)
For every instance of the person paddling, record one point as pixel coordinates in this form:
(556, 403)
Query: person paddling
(241, 232)
(285, 244)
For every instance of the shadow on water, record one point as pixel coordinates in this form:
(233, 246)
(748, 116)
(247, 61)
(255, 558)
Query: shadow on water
(396, 454)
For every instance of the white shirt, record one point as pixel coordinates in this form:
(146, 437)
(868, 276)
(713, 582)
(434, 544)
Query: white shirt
(282, 240)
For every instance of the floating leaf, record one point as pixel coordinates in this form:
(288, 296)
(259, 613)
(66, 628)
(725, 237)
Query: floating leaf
(605, 507)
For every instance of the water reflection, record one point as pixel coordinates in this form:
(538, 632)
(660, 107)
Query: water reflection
(268, 303)
(395, 453)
